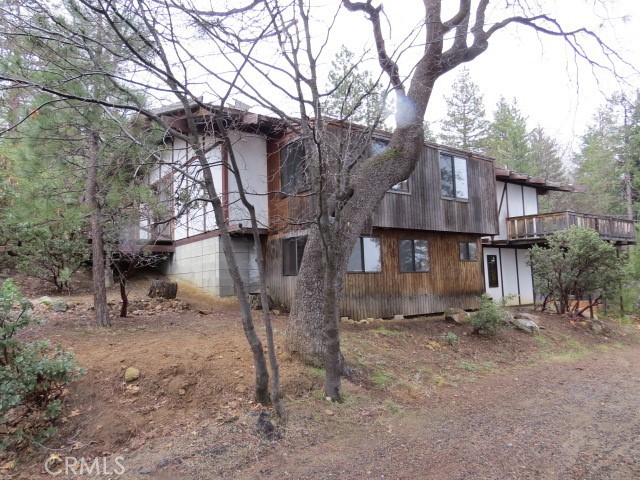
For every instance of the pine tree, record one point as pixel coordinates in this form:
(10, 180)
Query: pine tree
(545, 156)
(548, 164)
(354, 94)
(597, 166)
(507, 140)
(465, 126)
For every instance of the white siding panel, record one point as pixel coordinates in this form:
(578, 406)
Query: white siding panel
(509, 274)
(251, 155)
(526, 281)
(530, 201)
(502, 212)
(514, 196)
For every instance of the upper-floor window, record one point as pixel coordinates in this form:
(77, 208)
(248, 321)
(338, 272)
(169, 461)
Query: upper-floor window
(292, 251)
(379, 145)
(469, 251)
(293, 167)
(413, 255)
(366, 256)
(453, 177)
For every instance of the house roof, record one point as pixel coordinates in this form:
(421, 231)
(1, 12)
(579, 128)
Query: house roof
(539, 183)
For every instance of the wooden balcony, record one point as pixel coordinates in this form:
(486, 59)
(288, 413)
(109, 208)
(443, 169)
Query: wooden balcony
(535, 228)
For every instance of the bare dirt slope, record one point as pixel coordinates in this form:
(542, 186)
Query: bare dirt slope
(563, 404)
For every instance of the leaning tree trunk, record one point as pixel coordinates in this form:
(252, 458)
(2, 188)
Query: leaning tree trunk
(100, 306)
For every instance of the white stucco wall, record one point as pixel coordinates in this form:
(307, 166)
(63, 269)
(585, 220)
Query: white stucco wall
(251, 155)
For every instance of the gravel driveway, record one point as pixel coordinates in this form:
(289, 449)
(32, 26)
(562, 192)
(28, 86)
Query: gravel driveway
(563, 420)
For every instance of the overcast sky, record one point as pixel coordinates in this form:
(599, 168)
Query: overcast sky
(539, 72)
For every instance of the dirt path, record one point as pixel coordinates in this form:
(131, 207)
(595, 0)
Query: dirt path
(570, 420)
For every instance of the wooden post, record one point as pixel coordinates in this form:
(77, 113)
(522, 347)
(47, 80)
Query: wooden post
(620, 285)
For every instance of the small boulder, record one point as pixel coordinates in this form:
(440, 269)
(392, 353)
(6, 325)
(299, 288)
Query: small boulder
(255, 301)
(398, 317)
(456, 315)
(527, 316)
(60, 306)
(525, 325)
(131, 374)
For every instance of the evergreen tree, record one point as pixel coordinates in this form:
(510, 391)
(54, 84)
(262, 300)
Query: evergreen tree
(507, 140)
(597, 166)
(354, 95)
(465, 126)
(547, 164)
(82, 155)
(545, 156)
(429, 135)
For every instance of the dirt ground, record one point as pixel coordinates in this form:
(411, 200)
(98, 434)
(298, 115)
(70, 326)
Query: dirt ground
(563, 404)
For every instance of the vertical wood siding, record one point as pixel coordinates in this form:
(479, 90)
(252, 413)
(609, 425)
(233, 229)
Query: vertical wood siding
(422, 209)
(449, 283)
(425, 209)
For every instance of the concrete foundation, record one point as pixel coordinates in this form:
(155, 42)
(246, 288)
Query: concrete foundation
(203, 264)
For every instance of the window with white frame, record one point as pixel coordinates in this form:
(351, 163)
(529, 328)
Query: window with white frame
(454, 182)
(366, 256)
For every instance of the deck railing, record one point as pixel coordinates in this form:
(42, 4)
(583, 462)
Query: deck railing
(537, 227)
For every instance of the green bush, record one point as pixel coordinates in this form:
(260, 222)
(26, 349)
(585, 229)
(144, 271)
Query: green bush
(450, 338)
(489, 317)
(32, 376)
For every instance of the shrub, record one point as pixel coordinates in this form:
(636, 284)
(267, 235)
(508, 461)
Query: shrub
(32, 376)
(450, 338)
(51, 252)
(576, 263)
(489, 317)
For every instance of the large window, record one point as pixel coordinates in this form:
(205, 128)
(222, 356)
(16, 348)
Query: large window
(293, 171)
(379, 145)
(414, 255)
(492, 271)
(453, 177)
(366, 256)
(292, 250)
(469, 251)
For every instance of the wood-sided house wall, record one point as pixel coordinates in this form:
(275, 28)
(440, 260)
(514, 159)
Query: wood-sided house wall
(422, 213)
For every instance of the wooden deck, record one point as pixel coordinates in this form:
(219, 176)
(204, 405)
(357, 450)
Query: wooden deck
(533, 228)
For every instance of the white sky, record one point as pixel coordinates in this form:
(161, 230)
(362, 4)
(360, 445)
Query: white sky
(538, 71)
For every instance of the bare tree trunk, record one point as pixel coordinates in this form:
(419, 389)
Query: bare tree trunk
(264, 296)
(124, 297)
(262, 373)
(331, 314)
(101, 309)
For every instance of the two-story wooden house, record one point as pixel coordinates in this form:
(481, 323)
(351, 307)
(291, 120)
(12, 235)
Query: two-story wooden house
(454, 229)
(422, 252)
